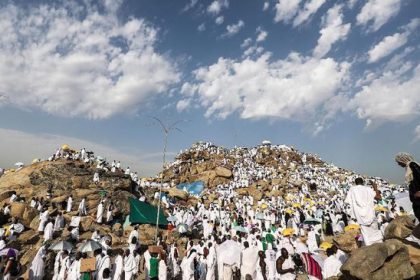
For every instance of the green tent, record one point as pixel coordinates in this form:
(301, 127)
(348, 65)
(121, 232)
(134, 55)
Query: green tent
(144, 213)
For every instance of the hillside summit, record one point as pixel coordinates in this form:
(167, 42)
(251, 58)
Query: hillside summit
(273, 197)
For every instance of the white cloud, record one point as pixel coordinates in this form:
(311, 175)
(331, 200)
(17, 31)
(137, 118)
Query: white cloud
(201, 27)
(72, 63)
(286, 10)
(310, 8)
(387, 46)
(190, 5)
(391, 43)
(295, 88)
(266, 6)
(219, 20)
(217, 6)
(183, 104)
(333, 31)
(23, 146)
(247, 42)
(391, 96)
(262, 34)
(351, 3)
(253, 50)
(417, 133)
(376, 13)
(232, 29)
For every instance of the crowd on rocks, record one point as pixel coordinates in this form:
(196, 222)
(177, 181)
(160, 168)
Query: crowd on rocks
(231, 232)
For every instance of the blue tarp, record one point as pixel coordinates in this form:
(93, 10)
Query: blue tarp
(195, 188)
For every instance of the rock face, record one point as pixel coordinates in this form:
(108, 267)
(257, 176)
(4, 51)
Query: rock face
(65, 178)
(223, 172)
(174, 192)
(23, 212)
(347, 241)
(389, 260)
(400, 228)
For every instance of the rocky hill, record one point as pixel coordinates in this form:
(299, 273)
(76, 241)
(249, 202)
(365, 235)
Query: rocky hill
(264, 167)
(64, 178)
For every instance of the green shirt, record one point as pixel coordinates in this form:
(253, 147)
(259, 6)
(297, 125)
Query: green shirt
(85, 276)
(270, 238)
(154, 268)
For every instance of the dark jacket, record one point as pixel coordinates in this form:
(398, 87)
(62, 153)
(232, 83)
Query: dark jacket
(415, 184)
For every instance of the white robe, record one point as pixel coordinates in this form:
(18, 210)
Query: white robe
(100, 213)
(64, 267)
(58, 223)
(271, 263)
(129, 266)
(69, 204)
(175, 269)
(105, 263)
(211, 264)
(187, 267)
(163, 270)
(36, 271)
(362, 208)
(118, 268)
(288, 263)
(48, 231)
(74, 271)
(362, 204)
(82, 207)
(57, 264)
(249, 261)
(331, 267)
(43, 218)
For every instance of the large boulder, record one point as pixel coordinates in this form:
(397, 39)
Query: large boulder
(23, 212)
(86, 223)
(413, 252)
(223, 172)
(388, 260)
(148, 233)
(255, 193)
(59, 199)
(400, 228)
(35, 223)
(346, 241)
(6, 194)
(174, 192)
(29, 237)
(81, 193)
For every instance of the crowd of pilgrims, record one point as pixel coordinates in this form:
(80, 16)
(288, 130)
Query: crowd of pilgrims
(234, 237)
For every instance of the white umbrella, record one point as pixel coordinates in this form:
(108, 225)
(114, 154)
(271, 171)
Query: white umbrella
(182, 228)
(229, 252)
(62, 246)
(172, 219)
(241, 229)
(90, 246)
(19, 164)
(259, 216)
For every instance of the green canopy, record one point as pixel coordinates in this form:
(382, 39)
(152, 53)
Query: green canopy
(144, 213)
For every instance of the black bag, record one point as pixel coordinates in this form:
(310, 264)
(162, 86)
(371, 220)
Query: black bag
(297, 260)
(16, 268)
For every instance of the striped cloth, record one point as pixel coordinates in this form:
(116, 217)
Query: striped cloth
(312, 267)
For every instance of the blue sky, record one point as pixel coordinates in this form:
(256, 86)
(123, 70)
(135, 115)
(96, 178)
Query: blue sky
(336, 78)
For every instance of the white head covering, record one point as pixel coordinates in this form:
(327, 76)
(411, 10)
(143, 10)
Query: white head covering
(405, 159)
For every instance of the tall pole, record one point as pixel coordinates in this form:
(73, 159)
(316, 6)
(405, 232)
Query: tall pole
(161, 184)
(166, 130)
